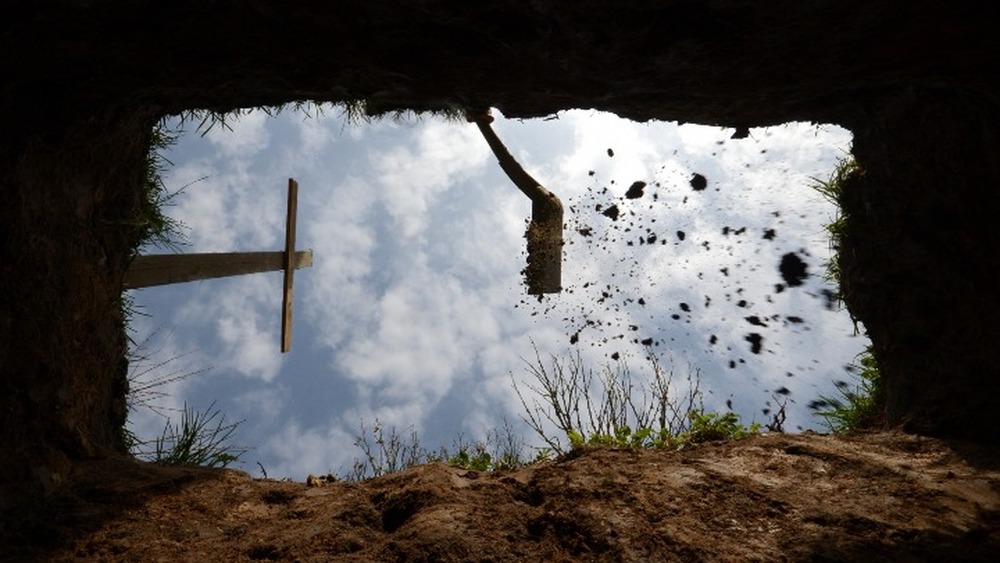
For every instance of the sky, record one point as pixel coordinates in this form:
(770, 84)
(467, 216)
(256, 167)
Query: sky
(415, 313)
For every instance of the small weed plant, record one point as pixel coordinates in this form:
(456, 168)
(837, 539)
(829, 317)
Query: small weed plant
(614, 409)
(386, 450)
(710, 427)
(703, 427)
(586, 409)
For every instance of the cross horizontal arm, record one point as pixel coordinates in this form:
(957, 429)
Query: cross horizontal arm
(163, 269)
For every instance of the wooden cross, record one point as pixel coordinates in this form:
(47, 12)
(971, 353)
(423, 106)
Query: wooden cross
(164, 269)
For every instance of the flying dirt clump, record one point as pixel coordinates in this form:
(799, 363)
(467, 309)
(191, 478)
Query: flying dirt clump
(635, 190)
(698, 182)
(793, 269)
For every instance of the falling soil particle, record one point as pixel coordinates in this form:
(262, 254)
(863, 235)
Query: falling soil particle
(698, 182)
(611, 152)
(793, 269)
(635, 190)
(756, 341)
(831, 299)
(611, 212)
(741, 133)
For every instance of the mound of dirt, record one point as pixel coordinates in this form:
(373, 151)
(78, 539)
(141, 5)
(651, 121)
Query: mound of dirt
(767, 498)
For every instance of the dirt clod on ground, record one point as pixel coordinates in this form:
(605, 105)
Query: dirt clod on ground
(773, 497)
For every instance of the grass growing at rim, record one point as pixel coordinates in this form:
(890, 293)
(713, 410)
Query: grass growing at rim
(199, 438)
(858, 407)
(152, 226)
(832, 190)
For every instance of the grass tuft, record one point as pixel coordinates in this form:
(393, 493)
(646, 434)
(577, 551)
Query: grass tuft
(832, 189)
(859, 407)
(151, 224)
(199, 439)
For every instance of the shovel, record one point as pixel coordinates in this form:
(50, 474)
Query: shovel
(545, 231)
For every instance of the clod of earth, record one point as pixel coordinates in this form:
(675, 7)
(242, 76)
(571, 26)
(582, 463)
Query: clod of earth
(698, 182)
(756, 341)
(635, 190)
(793, 269)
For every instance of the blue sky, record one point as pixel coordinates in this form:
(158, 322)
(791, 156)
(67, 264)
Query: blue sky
(414, 312)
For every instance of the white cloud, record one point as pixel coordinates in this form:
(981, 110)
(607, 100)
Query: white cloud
(635, 146)
(267, 403)
(293, 451)
(344, 240)
(413, 180)
(427, 331)
(233, 324)
(228, 207)
(243, 137)
(315, 135)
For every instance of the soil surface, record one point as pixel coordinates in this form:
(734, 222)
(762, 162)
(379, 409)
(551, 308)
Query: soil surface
(772, 497)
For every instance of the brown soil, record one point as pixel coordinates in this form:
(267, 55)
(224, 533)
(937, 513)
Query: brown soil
(768, 498)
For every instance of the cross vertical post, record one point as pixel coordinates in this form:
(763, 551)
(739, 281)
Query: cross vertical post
(289, 263)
